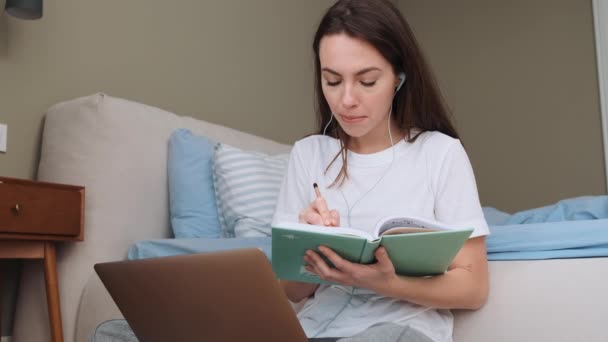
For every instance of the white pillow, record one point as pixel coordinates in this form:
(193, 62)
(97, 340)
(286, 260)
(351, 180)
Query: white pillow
(247, 186)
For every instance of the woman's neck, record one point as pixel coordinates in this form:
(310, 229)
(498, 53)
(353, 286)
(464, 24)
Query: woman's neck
(371, 143)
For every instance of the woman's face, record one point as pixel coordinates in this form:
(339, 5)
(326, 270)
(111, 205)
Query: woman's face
(358, 84)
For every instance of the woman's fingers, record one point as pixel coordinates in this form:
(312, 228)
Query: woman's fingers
(320, 206)
(335, 217)
(311, 217)
(319, 214)
(319, 266)
(330, 217)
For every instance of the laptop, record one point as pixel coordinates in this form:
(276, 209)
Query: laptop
(222, 296)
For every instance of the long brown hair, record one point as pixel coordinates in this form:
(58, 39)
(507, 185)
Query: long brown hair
(417, 105)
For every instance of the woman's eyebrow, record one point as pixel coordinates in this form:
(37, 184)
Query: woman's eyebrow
(360, 72)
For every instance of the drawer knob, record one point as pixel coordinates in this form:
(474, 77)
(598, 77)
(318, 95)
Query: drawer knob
(16, 209)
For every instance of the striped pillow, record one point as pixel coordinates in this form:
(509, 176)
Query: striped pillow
(247, 186)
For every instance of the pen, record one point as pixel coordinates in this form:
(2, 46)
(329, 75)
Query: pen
(314, 185)
(326, 218)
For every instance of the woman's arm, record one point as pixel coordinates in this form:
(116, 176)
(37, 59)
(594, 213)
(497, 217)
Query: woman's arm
(296, 291)
(463, 286)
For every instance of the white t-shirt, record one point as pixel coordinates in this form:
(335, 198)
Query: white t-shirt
(430, 178)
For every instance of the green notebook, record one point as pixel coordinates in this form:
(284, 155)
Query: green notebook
(417, 247)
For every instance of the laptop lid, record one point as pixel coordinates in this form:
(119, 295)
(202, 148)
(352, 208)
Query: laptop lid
(223, 296)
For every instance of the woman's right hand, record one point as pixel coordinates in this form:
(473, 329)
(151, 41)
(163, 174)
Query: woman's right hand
(318, 214)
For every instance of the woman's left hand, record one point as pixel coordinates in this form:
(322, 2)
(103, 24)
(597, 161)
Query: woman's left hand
(375, 276)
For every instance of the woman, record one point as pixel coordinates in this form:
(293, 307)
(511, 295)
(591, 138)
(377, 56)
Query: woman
(385, 146)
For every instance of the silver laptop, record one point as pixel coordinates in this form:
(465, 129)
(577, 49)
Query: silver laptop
(223, 296)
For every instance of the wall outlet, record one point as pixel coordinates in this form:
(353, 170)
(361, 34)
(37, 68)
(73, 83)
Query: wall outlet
(3, 137)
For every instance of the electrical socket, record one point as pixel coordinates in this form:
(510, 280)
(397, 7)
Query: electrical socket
(3, 137)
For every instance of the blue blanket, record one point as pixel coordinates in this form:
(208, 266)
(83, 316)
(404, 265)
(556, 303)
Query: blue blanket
(166, 247)
(572, 228)
(553, 240)
(573, 209)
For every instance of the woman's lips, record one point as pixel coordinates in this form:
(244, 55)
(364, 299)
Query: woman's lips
(352, 118)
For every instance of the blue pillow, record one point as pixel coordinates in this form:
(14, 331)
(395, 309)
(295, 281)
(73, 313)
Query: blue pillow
(191, 194)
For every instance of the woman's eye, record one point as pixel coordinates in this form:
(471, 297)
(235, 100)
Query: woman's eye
(365, 84)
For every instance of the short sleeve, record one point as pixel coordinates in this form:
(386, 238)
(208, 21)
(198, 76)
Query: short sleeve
(292, 196)
(456, 198)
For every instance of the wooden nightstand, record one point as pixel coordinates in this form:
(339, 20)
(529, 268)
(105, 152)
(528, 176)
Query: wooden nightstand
(33, 217)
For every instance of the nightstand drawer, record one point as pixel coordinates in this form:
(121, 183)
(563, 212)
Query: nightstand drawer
(28, 207)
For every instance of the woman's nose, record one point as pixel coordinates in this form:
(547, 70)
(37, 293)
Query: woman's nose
(348, 98)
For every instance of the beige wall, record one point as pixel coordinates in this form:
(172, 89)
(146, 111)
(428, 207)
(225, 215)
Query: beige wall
(244, 64)
(520, 77)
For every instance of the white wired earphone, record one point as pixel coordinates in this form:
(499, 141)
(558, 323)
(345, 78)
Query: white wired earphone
(402, 80)
(390, 111)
